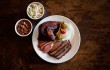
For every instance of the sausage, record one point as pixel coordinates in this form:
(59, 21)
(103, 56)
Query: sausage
(47, 48)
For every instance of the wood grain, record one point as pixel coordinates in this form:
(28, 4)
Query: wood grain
(92, 18)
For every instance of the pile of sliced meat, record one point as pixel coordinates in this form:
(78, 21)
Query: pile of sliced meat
(48, 42)
(55, 49)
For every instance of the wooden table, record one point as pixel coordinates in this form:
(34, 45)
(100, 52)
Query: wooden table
(92, 18)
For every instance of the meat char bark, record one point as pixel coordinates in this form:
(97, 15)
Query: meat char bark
(53, 25)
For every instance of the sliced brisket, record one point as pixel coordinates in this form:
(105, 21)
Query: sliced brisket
(65, 50)
(56, 45)
(59, 48)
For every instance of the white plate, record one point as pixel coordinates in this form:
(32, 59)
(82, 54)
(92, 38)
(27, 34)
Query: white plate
(75, 40)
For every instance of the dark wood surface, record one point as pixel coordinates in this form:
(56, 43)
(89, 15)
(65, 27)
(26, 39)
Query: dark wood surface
(92, 18)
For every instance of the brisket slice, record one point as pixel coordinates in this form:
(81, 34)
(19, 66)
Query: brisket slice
(56, 45)
(64, 51)
(59, 48)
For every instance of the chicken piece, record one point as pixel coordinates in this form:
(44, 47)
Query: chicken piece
(50, 34)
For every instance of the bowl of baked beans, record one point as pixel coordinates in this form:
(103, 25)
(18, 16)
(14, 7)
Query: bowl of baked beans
(23, 27)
